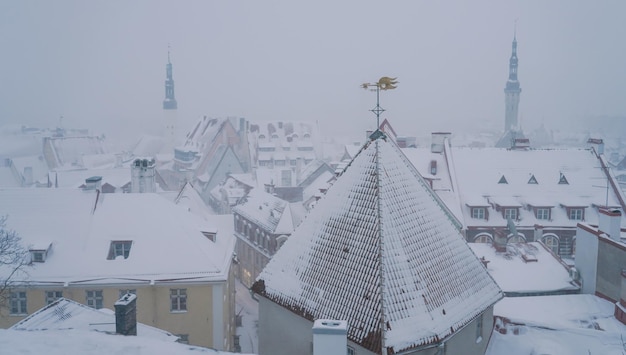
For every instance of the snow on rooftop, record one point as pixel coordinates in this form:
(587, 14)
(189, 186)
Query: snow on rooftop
(82, 225)
(565, 324)
(266, 210)
(65, 314)
(330, 266)
(515, 275)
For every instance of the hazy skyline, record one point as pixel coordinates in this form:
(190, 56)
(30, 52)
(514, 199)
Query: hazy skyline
(101, 65)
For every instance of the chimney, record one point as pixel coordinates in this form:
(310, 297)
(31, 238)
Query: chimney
(597, 144)
(330, 337)
(620, 306)
(93, 183)
(499, 241)
(143, 176)
(126, 315)
(437, 141)
(28, 175)
(610, 222)
(538, 234)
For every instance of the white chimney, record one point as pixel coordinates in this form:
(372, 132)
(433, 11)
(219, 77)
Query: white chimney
(143, 177)
(330, 337)
(93, 183)
(610, 222)
(437, 141)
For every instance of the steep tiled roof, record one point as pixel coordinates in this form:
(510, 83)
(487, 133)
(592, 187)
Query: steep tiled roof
(266, 210)
(428, 283)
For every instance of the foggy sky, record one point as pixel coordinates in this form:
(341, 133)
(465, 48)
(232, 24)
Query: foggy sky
(101, 64)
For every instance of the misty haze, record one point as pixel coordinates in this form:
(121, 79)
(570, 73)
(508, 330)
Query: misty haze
(322, 178)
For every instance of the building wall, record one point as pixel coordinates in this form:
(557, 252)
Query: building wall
(587, 259)
(283, 332)
(153, 308)
(612, 259)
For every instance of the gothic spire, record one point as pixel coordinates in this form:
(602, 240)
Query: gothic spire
(170, 100)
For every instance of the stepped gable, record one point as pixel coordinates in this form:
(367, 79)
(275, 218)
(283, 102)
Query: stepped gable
(428, 284)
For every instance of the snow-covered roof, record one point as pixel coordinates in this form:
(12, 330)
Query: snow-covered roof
(67, 152)
(65, 314)
(203, 133)
(525, 268)
(82, 225)
(565, 324)
(332, 267)
(479, 171)
(117, 177)
(267, 211)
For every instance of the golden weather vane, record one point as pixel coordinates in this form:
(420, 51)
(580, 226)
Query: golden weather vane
(384, 83)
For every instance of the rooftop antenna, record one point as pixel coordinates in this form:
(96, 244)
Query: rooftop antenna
(384, 83)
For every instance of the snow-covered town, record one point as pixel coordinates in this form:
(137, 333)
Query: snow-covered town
(195, 215)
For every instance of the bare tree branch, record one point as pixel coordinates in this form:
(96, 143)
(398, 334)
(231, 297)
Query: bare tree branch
(14, 258)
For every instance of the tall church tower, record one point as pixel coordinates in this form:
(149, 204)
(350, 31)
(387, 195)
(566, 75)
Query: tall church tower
(169, 106)
(512, 92)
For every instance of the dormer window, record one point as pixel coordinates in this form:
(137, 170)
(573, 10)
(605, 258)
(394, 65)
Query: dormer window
(38, 253)
(210, 235)
(576, 214)
(532, 180)
(478, 213)
(119, 249)
(510, 213)
(503, 180)
(542, 213)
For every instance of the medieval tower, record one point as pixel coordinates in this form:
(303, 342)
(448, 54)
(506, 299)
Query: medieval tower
(169, 107)
(512, 92)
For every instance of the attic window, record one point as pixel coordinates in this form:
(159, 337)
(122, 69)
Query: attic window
(532, 180)
(563, 180)
(39, 252)
(119, 248)
(503, 180)
(433, 167)
(210, 235)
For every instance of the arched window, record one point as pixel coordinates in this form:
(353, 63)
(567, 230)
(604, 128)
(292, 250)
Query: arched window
(552, 242)
(483, 238)
(519, 238)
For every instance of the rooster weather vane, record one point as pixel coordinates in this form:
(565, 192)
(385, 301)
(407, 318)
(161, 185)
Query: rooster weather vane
(384, 83)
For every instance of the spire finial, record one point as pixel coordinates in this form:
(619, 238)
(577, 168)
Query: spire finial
(515, 30)
(168, 54)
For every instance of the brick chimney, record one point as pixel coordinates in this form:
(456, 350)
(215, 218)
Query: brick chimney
(610, 222)
(126, 315)
(330, 337)
(500, 240)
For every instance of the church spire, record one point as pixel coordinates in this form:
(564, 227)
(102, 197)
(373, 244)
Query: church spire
(170, 100)
(512, 91)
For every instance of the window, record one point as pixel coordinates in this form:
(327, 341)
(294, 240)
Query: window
(285, 178)
(552, 242)
(210, 235)
(350, 351)
(543, 213)
(479, 329)
(178, 298)
(576, 214)
(18, 303)
(37, 256)
(516, 239)
(94, 298)
(52, 296)
(478, 212)
(119, 248)
(125, 291)
(483, 238)
(510, 213)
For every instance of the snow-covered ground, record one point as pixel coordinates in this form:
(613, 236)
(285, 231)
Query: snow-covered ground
(248, 309)
(567, 324)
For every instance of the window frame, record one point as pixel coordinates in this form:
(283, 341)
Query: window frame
(18, 302)
(94, 299)
(479, 212)
(507, 211)
(543, 213)
(576, 211)
(178, 300)
(52, 296)
(119, 248)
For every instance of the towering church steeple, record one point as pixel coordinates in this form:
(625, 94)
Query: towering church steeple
(170, 106)
(512, 92)
(170, 100)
